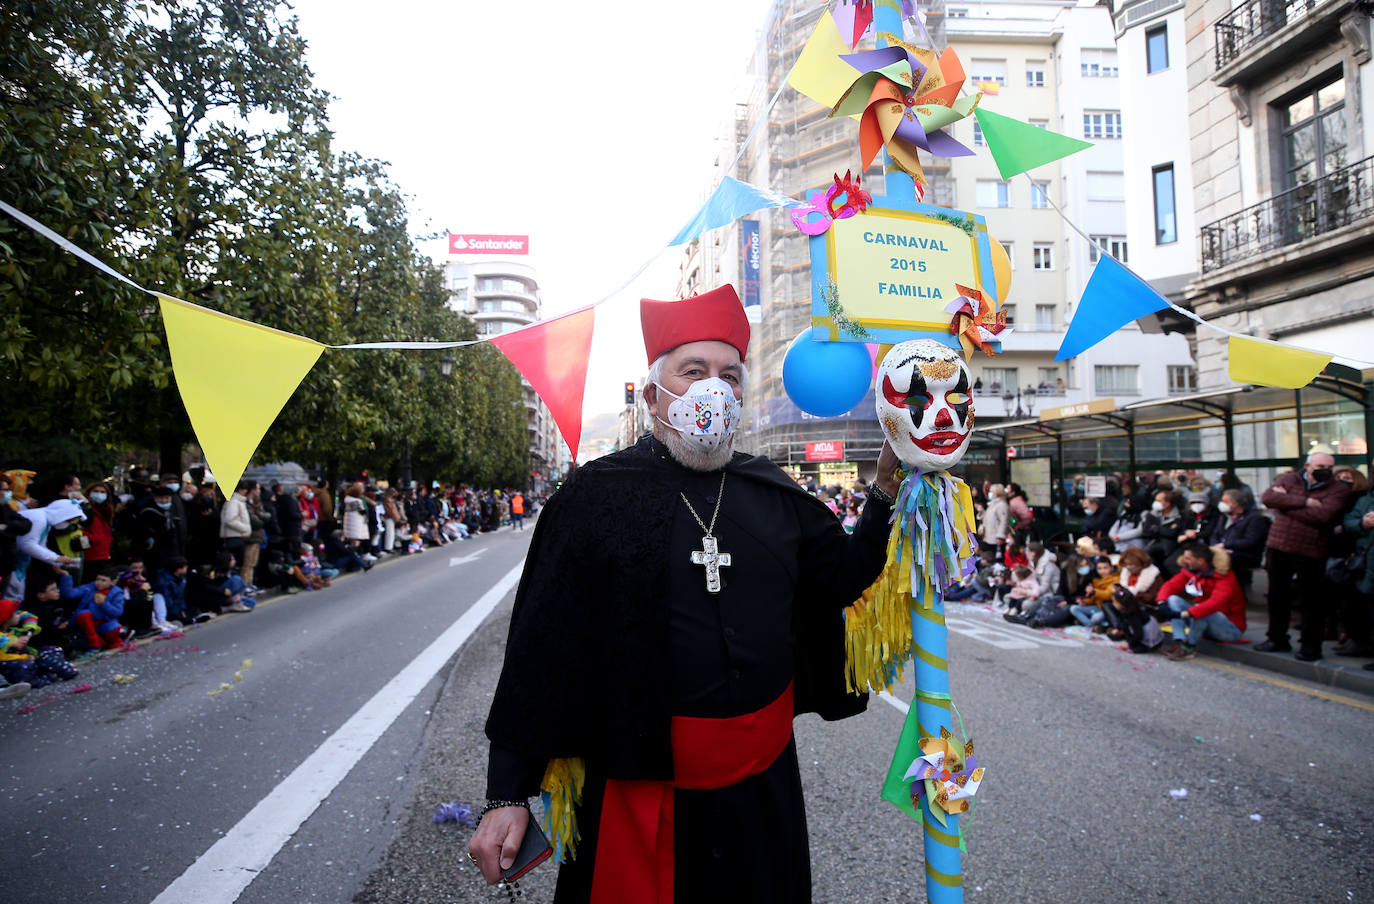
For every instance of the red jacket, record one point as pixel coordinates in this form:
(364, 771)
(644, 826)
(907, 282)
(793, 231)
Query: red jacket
(98, 530)
(1220, 593)
(1299, 528)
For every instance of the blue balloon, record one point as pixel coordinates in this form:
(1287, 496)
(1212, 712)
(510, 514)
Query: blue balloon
(826, 378)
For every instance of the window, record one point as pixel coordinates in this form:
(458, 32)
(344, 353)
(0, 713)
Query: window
(1011, 313)
(1044, 317)
(1040, 195)
(1098, 63)
(1115, 245)
(1039, 123)
(978, 140)
(1166, 227)
(1010, 248)
(958, 12)
(1102, 124)
(1042, 256)
(1117, 379)
(1035, 73)
(988, 71)
(1049, 379)
(1157, 49)
(1314, 134)
(1182, 379)
(991, 194)
(828, 134)
(997, 379)
(1106, 186)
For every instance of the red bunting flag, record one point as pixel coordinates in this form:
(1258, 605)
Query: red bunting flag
(553, 355)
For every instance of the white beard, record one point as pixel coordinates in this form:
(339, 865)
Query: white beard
(691, 455)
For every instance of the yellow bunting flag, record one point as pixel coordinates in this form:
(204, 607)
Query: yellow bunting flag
(1270, 364)
(820, 74)
(234, 377)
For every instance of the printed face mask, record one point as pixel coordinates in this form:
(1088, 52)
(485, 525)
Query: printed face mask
(707, 413)
(924, 404)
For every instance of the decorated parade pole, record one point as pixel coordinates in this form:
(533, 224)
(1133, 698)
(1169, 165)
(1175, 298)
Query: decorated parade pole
(929, 715)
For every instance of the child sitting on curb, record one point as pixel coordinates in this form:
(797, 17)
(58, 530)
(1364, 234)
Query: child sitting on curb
(21, 661)
(99, 605)
(1025, 589)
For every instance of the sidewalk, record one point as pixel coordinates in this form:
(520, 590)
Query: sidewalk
(1343, 672)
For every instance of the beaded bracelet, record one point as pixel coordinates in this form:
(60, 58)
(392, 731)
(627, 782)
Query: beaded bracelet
(498, 804)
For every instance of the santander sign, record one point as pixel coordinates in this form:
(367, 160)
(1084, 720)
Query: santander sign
(472, 243)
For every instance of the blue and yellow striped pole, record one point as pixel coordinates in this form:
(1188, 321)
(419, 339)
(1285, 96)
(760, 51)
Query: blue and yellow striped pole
(931, 710)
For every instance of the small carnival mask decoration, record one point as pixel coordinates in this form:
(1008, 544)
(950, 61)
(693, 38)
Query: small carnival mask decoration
(925, 404)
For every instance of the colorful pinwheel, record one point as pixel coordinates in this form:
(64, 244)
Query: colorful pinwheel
(905, 98)
(946, 774)
(974, 322)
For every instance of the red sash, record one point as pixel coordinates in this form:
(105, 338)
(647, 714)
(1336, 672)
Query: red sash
(634, 848)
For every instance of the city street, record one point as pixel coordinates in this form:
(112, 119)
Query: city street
(297, 753)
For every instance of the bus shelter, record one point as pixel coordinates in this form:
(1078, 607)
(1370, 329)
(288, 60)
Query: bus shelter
(1255, 431)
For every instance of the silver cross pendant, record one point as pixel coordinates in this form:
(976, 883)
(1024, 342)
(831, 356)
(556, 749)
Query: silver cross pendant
(710, 556)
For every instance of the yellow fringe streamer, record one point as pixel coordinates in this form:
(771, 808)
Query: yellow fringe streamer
(563, 780)
(878, 636)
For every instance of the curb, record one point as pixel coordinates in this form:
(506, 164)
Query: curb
(1323, 671)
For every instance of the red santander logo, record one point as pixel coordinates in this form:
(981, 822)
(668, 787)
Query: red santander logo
(472, 243)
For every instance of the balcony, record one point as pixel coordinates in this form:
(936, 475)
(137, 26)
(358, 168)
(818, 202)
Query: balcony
(1308, 211)
(1261, 36)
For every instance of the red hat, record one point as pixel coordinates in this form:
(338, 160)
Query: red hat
(7, 608)
(717, 315)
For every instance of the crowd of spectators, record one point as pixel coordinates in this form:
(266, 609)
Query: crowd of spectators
(1182, 551)
(88, 567)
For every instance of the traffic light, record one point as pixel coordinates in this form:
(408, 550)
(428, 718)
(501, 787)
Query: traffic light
(629, 393)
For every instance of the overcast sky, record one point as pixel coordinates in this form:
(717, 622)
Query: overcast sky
(591, 127)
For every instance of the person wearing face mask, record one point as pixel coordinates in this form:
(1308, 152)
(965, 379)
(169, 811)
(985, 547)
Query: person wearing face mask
(680, 602)
(1241, 530)
(1307, 505)
(203, 522)
(98, 529)
(1160, 528)
(158, 531)
(1198, 518)
(1099, 514)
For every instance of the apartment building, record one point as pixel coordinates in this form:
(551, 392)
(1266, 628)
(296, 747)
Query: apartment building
(1052, 63)
(501, 295)
(1279, 99)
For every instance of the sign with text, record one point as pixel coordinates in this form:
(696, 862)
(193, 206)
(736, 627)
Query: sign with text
(887, 275)
(1095, 485)
(473, 243)
(751, 265)
(825, 451)
(1097, 406)
(1033, 474)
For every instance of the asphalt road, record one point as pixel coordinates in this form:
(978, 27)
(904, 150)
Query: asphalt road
(274, 790)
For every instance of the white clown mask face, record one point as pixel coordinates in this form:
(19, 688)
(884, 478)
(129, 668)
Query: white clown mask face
(924, 399)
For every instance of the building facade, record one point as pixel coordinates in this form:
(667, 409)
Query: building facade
(1052, 63)
(1279, 99)
(501, 295)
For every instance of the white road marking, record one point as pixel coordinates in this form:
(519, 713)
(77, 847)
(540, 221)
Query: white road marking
(896, 704)
(988, 634)
(459, 560)
(221, 874)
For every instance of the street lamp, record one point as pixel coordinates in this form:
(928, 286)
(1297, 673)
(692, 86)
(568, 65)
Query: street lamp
(446, 366)
(1008, 397)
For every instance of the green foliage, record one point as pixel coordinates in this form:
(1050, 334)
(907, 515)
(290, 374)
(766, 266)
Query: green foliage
(185, 144)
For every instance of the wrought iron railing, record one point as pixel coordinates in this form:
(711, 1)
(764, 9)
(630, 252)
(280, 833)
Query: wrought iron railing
(1251, 21)
(1314, 208)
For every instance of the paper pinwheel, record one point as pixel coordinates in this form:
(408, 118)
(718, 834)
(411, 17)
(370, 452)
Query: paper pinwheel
(855, 18)
(946, 774)
(855, 201)
(974, 321)
(905, 97)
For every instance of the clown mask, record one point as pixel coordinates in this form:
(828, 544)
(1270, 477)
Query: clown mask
(925, 404)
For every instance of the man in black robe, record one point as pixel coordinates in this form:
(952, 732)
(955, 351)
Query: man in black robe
(622, 646)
